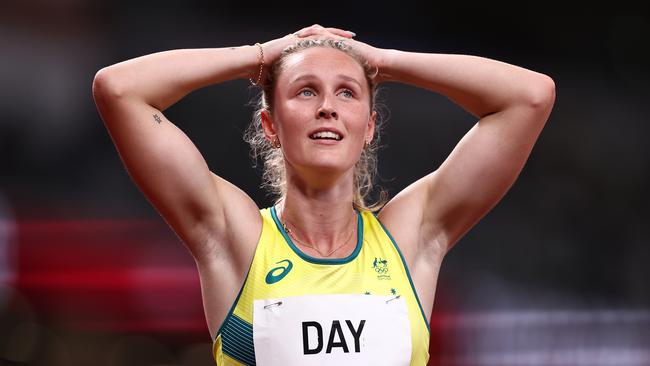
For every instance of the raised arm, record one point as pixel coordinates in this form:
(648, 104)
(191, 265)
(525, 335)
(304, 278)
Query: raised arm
(512, 105)
(160, 158)
(213, 217)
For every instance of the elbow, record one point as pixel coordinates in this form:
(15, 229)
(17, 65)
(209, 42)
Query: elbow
(533, 93)
(106, 85)
(540, 95)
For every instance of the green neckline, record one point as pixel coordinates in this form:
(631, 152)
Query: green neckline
(314, 260)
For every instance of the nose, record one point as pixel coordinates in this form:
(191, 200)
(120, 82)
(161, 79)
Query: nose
(327, 110)
(324, 112)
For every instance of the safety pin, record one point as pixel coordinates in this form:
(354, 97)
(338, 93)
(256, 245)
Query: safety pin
(394, 298)
(272, 305)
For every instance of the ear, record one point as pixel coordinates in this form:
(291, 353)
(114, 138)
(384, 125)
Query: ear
(370, 133)
(267, 125)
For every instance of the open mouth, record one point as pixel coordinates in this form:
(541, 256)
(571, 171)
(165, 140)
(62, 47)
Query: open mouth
(325, 135)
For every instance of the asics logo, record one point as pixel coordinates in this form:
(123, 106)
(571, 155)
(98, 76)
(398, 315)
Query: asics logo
(278, 273)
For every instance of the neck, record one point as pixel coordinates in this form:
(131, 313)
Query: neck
(323, 218)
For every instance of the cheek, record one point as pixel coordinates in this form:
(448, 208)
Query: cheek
(359, 121)
(291, 122)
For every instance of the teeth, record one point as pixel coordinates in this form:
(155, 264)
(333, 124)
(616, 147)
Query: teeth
(326, 135)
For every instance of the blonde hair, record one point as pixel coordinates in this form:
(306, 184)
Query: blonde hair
(274, 174)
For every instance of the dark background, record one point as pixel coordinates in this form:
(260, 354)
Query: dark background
(565, 252)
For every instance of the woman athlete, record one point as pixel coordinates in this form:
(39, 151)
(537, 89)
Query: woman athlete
(322, 277)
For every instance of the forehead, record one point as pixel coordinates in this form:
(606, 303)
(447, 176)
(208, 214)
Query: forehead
(322, 62)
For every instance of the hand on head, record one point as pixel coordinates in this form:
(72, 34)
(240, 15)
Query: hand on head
(273, 49)
(316, 31)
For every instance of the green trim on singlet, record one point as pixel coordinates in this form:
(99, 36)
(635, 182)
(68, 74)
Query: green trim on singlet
(232, 308)
(408, 274)
(237, 334)
(237, 340)
(314, 260)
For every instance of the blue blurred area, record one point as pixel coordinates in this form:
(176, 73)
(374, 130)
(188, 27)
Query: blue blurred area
(572, 235)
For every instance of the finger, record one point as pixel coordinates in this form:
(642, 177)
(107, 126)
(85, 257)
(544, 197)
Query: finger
(319, 30)
(340, 32)
(323, 37)
(308, 31)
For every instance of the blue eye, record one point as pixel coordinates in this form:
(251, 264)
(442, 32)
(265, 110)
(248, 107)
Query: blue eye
(306, 93)
(347, 93)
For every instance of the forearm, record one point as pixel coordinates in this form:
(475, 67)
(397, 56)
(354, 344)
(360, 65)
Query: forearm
(481, 86)
(162, 78)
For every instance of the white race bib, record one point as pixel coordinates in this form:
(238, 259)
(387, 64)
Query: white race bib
(316, 330)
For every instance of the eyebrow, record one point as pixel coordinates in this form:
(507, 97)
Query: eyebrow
(312, 76)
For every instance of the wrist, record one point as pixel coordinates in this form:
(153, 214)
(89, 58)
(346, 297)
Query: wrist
(256, 77)
(242, 61)
(386, 64)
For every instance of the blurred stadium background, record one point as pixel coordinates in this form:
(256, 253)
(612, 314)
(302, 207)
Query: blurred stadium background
(557, 274)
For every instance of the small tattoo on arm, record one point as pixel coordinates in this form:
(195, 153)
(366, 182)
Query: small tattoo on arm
(156, 118)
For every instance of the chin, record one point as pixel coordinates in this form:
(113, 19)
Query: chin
(327, 166)
(323, 161)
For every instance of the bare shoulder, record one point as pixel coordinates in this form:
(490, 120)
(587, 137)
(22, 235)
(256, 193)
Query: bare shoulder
(228, 238)
(407, 216)
(234, 231)
(409, 219)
